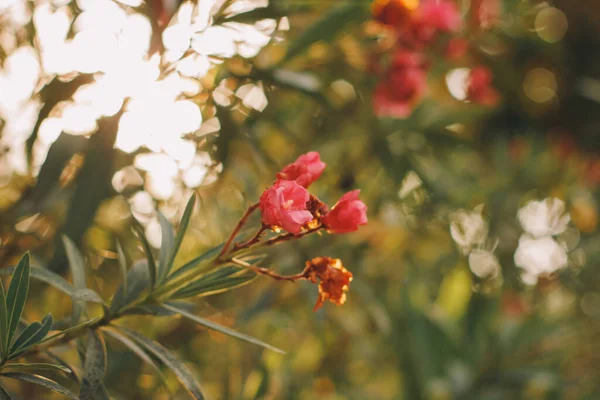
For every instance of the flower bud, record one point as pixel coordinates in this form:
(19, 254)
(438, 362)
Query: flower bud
(347, 215)
(305, 170)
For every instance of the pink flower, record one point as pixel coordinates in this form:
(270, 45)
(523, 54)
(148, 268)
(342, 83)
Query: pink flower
(283, 205)
(347, 214)
(305, 170)
(485, 14)
(479, 87)
(402, 87)
(456, 49)
(442, 15)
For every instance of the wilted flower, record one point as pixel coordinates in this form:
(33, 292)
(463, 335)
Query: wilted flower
(468, 229)
(334, 279)
(305, 170)
(544, 218)
(479, 87)
(402, 87)
(347, 214)
(284, 205)
(539, 256)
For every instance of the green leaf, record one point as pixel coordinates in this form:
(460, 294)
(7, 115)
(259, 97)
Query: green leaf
(220, 280)
(222, 329)
(190, 265)
(88, 296)
(17, 295)
(138, 351)
(326, 28)
(183, 225)
(41, 381)
(27, 333)
(138, 283)
(77, 265)
(4, 395)
(57, 360)
(122, 265)
(167, 247)
(94, 368)
(3, 324)
(46, 276)
(35, 367)
(180, 370)
(73, 328)
(151, 264)
(32, 338)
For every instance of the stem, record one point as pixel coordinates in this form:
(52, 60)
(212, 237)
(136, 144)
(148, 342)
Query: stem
(255, 239)
(237, 229)
(268, 272)
(288, 236)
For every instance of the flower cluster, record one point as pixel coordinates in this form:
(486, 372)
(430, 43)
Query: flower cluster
(287, 205)
(417, 26)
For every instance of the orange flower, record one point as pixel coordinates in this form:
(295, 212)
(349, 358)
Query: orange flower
(334, 279)
(393, 12)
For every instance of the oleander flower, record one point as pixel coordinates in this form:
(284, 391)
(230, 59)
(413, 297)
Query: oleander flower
(402, 87)
(305, 170)
(479, 87)
(347, 214)
(284, 205)
(333, 278)
(393, 13)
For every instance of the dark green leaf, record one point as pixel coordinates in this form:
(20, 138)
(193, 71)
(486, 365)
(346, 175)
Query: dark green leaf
(122, 265)
(3, 323)
(71, 329)
(35, 367)
(38, 336)
(222, 329)
(17, 295)
(167, 247)
(41, 381)
(46, 276)
(27, 333)
(327, 27)
(77, 265)
(190, 265)
(138, 351)
(183, 225)
(217, 281)
(138, 283)
(94, 368)
(57, 360)
(151, 264)
(182, 372)
(4, 395)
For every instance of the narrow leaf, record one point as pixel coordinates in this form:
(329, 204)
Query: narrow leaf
(180, 370)
(326, 28)
(151, 264)
(138, 281)
(71, 329)
(87, 295)
(183, 225)
(41, 381)
(25, 335)
(36, 367)
(122, 264)
(190, 265)
(222, 329)
(46, 276)
(3, 323)
(94, 368)
(17, 295)
(138, 351)
(4, 395)
(222, 279)
(57, 360)
(167, 247)
(77, 266)
(34, 338)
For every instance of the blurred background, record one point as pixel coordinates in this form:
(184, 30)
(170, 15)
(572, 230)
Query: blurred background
(478, 156)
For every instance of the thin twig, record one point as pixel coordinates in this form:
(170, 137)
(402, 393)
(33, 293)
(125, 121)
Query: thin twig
(268, 272)
(237, 229)
(255, 239)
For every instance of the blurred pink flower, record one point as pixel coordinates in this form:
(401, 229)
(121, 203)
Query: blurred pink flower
(402, 87)
(479, 87)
